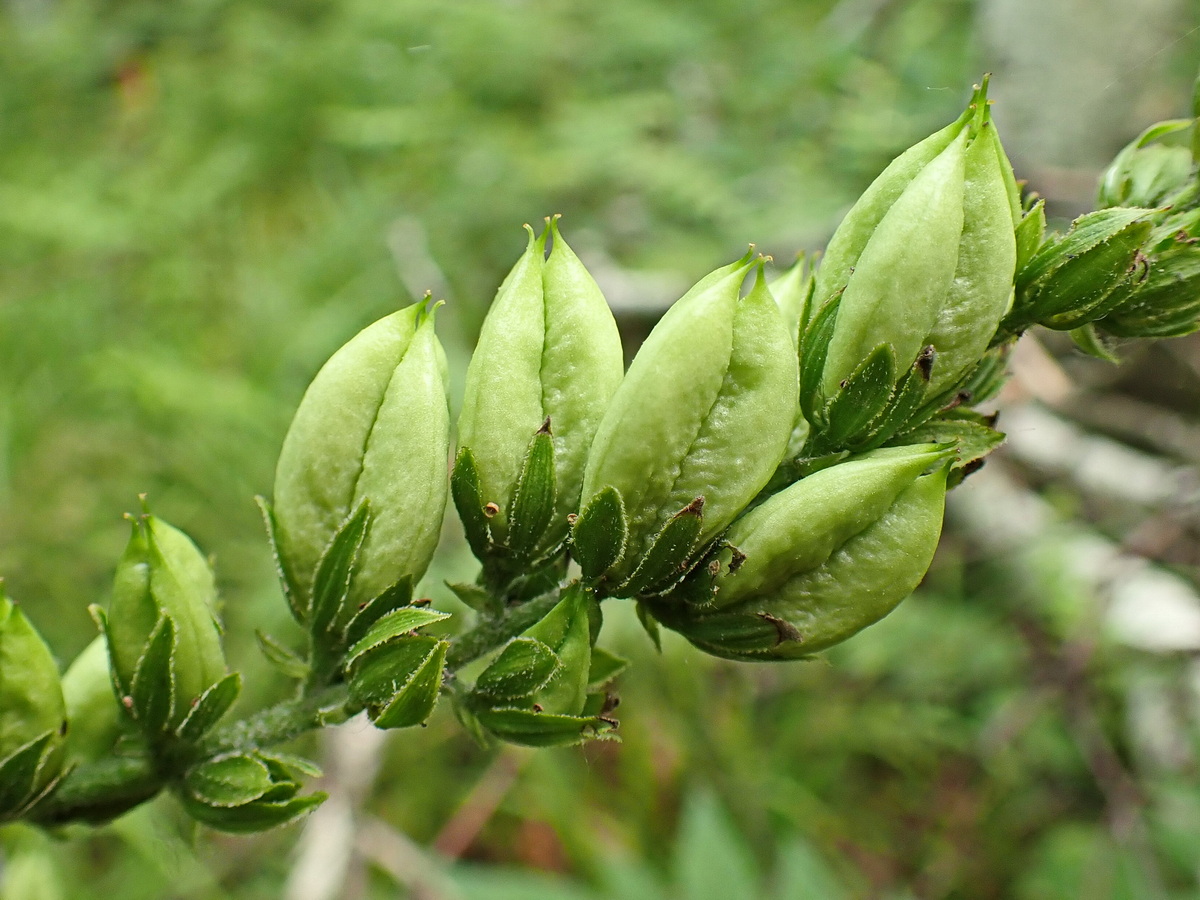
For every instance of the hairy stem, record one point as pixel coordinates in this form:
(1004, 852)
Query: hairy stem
(491, 633)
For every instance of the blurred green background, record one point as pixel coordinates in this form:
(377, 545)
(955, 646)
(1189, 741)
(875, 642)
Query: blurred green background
(200, 200)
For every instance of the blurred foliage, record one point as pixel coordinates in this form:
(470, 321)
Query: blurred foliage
(200, 200)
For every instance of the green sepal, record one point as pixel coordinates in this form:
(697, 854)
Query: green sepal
(971, 434)
(650, 625)
(293, 765)
(814, 349)
(462, 703)
(605, 667)
(542, 729)
(414, 702)
(532, 505)
(153, 687)
(100, 617)
(229, 781)
(524, 666)
(286, 582)
(904, 402)
(468, 500)
(741, 635)
(253, 817)
(398, 682)
(667, 559)
(478, 598)
(331, 582)
(281, 657)
(210, 708)
(600, 532)
(19, 773)
(398, 596)
(396, 624)
(1030, 233)
(1089, 340)
(864, 395)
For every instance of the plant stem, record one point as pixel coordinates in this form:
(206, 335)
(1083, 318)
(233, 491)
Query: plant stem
(491, 633)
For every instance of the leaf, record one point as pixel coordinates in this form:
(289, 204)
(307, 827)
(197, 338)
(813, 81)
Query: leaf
(605, 667)
(600, 532)
(228, 781)
(210, 707)
(863, 396)
(331, 584)
(257, 816)
(814, 348)
(521, 668)
(969, 430)
(539, 729)
(1029, 234)
(1088, 339)
(904, 403)
(532, 504)
(379, 675)
(153, 686)
(396, 624)
(468, 500)
(478, 598)
(100, 617)
(414, 702)
(666, 560)
(290, 593)
(18, 774)
(395, 597)
(294, 764)
(650, 625)
(282, 658)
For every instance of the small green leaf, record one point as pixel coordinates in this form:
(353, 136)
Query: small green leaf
(377, 676)
(814, 348)
(212, 705)
(286, 582)
(650, 625)
(1088, 339)
(415, 700)
(863, 396)
(294, 765)
(153, 686)
(532, 505)
(970, 432)
(667, 559)
(18, 774)
(252, 817)
(282, 658)
(229, 781)
(599, 534)
(331, 584)
(477, 598)
(1029, 234)
(523, 667)
(468, 500)
(531, 728)
(904, 403)
(605, 667)
(396, 624)
(396, 597)
(100, 617)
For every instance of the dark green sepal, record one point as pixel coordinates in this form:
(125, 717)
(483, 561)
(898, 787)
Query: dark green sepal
(290, 592)
(283, 658)
(522, 668)
(667, 559)
(468, 500)
(1030, 233)
(19, 775)
(153, 687)
(531, 728)
(650, 625)
(414, 702)
(331, 584)
(532, 504)
(604, 669)
(814, 349)
(904, 403)
(229, 781)
(863, 397)
(397, 624)
(599, 533)
(100, 617)
(210, 708)
(1088, 339)
(398, 596)
(969, 432)
(259, 815)
(737, 635)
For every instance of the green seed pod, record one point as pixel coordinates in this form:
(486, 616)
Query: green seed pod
(164, 642)
(1149, 172)
(817, 562)
(924, 259)
(549, 352)
(704, 413)
(94, 717)
(32, 715)
(367, 450)
(536, 690)
(247, 792)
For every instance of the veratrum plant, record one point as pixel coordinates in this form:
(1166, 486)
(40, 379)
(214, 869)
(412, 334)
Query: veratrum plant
(767, 479)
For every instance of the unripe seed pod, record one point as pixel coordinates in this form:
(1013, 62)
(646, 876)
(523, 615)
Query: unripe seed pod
(93, 716)
(32, 715)
(549, 351)
(163, 638)
(817, 562)
(373, 428)
(705, 411)
(926, 257)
